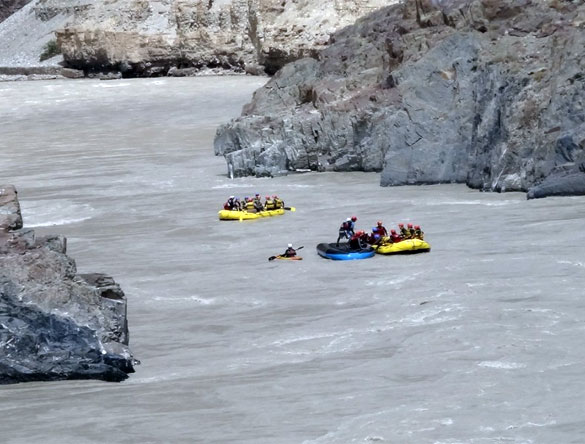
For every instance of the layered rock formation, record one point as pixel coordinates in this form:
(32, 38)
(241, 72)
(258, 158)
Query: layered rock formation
(484, 92)
(146, 38)
(177, 37)
(55, 323)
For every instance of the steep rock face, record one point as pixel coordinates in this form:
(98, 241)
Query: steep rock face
(9, 7)
(482, 92)
(54, 323)
(146, 38)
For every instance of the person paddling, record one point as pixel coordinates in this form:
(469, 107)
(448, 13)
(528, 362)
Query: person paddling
(290, 251)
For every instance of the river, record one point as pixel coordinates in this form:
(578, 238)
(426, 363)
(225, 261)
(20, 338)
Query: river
(478, 341)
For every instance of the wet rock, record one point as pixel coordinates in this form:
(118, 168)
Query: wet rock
(428, 92)
(10, 217)
(54, 323)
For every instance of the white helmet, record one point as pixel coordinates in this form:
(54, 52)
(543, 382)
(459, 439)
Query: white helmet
(348, 219)
(289, 245)
(231, 197)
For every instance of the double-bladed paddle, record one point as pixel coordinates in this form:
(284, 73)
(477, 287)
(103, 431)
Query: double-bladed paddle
(271, 258)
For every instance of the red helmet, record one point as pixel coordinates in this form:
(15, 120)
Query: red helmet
(275, 196)
(409, 225)
(267, 197)
(353, 218)
(379, 223)
(401, 225)
(393, 231)
(417, 227)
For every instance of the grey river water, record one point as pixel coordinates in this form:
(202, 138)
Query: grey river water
(479, 341)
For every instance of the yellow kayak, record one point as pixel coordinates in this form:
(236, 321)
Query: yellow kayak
(244, 215)
(404, 247)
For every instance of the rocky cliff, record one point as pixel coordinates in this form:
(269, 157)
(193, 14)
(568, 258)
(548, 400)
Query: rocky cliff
(9, 7)
(145, 38)
(484, 92)
(55, 323)
(177, 37)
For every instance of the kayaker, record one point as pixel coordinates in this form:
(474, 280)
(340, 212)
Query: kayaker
(404, 233)
(395, 237)
(290, 251)
(258, 206)
(418, 233)
(269, 203)
(382, 231)
(346, 229)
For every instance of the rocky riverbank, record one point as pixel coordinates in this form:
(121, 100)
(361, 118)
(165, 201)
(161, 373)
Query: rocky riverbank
(55, 323)
(178, 37)
(487, 93)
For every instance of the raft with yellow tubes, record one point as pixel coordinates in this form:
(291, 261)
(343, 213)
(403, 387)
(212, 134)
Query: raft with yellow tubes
(244, 215)
(407, 246)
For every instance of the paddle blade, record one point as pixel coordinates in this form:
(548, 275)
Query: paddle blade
(271, 258)
(293, 209)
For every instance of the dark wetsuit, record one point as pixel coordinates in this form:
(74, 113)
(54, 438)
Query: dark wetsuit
(345, 231)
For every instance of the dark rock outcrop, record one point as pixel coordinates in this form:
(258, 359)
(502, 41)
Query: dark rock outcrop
(488, 93)
(9, 7)
(54, 323)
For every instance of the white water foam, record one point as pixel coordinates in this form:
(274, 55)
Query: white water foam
(49, 213)
(501, 365)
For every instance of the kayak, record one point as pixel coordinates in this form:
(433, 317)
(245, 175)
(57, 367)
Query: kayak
(407, 246)
(343, 252)
(244, 215)
(285, 258)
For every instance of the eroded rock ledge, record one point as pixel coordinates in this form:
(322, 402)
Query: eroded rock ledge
(483, 92)
(179, 37)
(54, 323)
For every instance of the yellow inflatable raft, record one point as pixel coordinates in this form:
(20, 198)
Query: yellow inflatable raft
(244, 215)
(404, 247)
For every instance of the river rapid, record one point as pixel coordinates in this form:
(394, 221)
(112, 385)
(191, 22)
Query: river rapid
(478, 341)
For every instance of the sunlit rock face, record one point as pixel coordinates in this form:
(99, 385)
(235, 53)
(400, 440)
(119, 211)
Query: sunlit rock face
(179, 37)
(481, 92)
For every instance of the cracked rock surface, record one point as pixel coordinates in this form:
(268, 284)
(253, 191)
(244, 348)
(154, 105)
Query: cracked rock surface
(487, 93)
(54, 323)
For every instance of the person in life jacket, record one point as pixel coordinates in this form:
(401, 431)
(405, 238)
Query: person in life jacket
(382, 231)
(230, 204)
(375, 238)
(404, 233)
(278, 202)
(346, 229)
(290, 251)
(394, 236)
(249, 205)
(269, 203)
(410, 231)
(357, 241)
(258, 206)
(418, 233)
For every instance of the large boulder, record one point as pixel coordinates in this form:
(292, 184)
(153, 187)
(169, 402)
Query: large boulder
(54, 323)
(480, 92)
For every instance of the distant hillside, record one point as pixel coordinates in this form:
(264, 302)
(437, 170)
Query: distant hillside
(180, 37)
